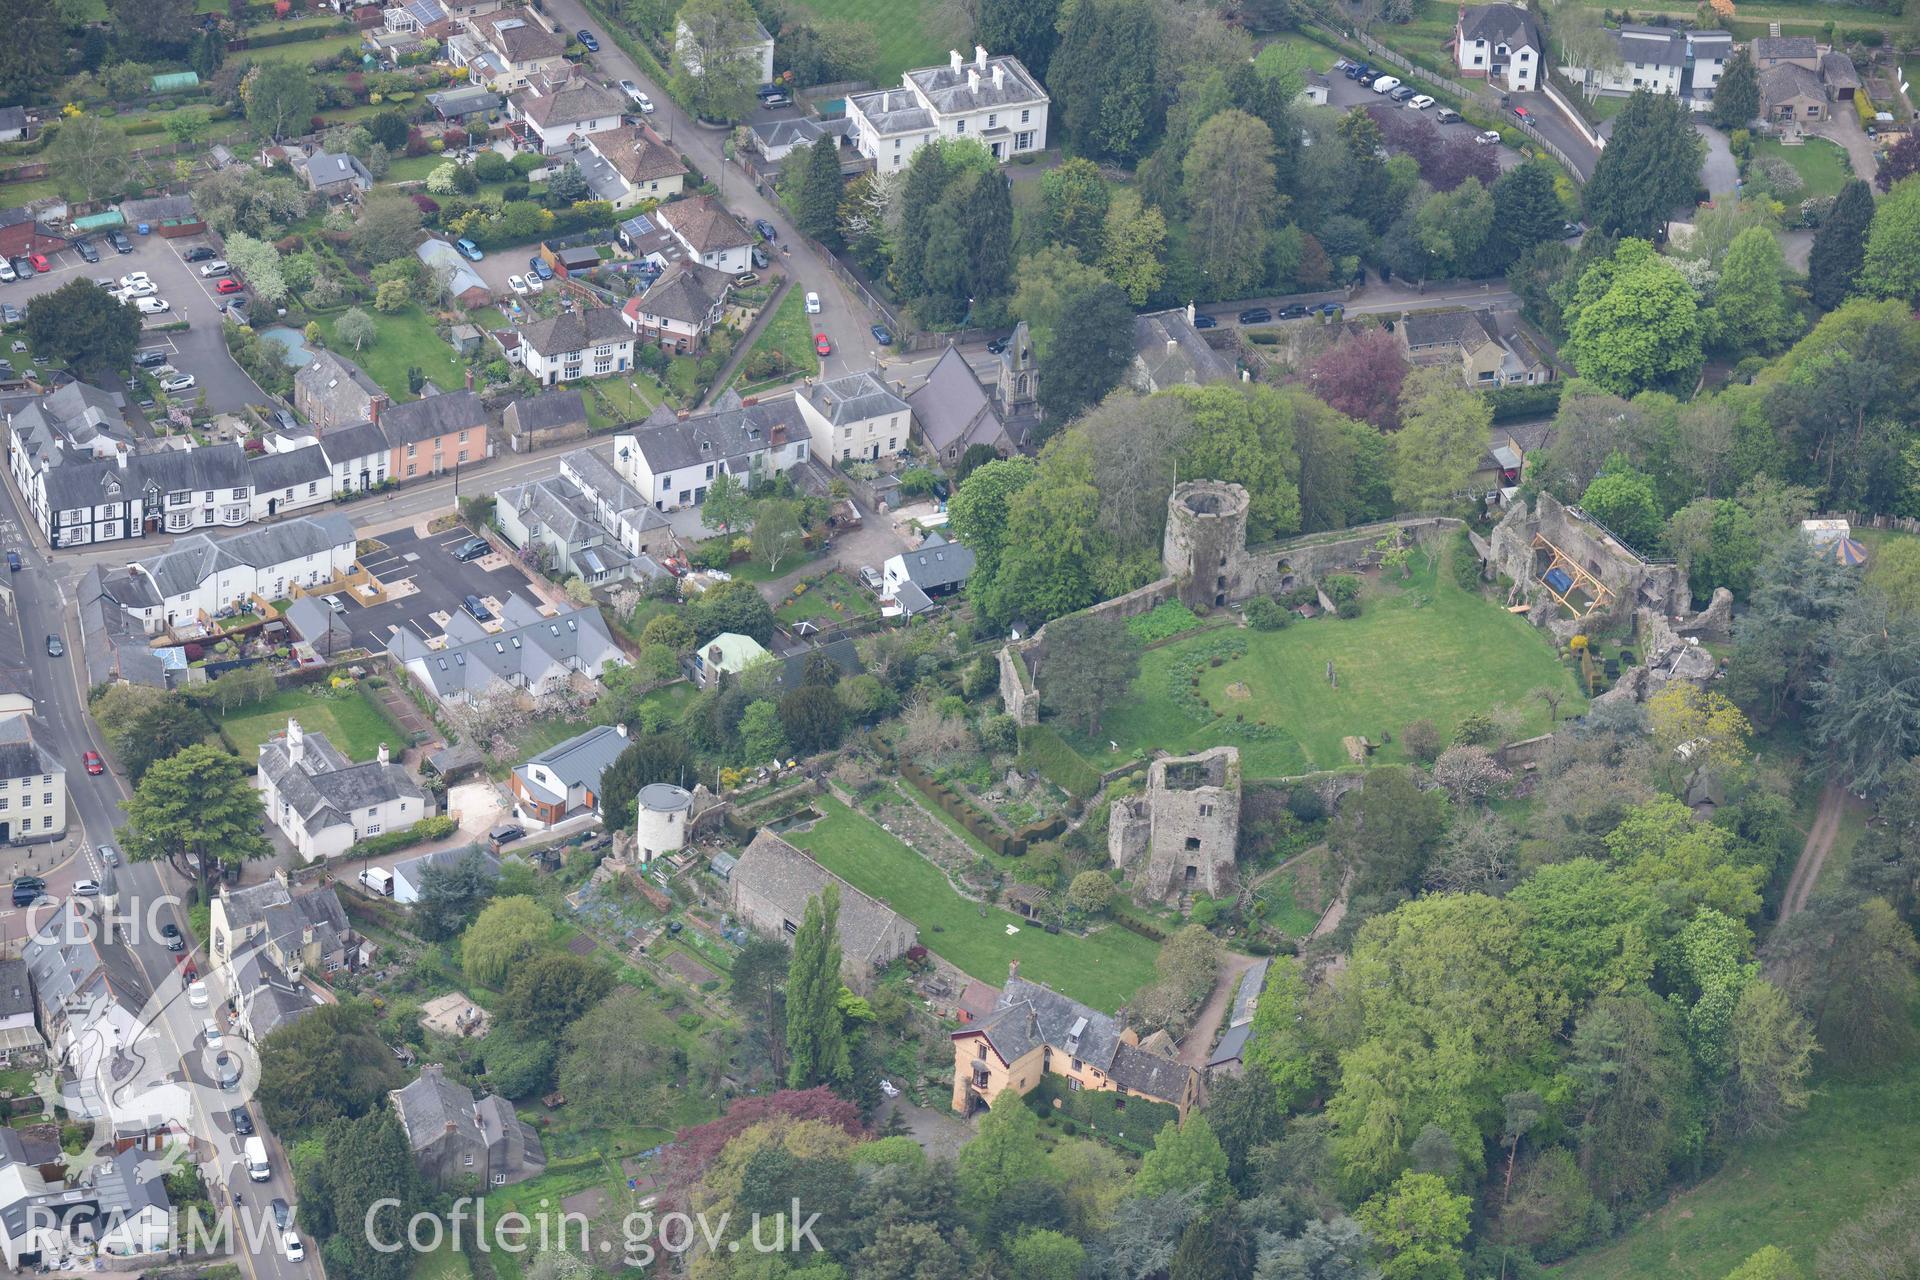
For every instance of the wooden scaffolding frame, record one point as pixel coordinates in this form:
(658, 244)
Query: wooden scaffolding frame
(1599, 592)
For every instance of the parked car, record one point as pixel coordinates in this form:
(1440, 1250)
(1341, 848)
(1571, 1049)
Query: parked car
(218, 267)
(7, 274)
(1571, 231)
(1447, 115)
(199, 253)
(179, 382)
(870, 576)
(587, 41)
(746, 279)
(197, 995)
(1329, 308)
(535, 285)
(151, 358)
(766, 229)
(10, 314)
(477, 607)
(468, 249)
(228, 285)
(242, 1121)
(996, 346)
(759, 256)
(56, 648)
(882, 335)
(86, 889)
(821, 344)
(290, 1242)
(152, 306)
(517, 284)
(1489, 137)
(1523, 115)
(538, 266)
(1385, 84)
(1369, 76)
(1403, 93)
(1201, 320)
(13, 562)
(119, 241)
(813, 304)
(335, 603)
(95, 765)
(769, 101)
(86, 250)
(40, 263)
(1419, 102)
(472, 549)
(1256, 315)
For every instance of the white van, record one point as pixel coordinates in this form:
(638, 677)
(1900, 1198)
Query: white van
(378, 879)
(1386, 84)
(256, 1155)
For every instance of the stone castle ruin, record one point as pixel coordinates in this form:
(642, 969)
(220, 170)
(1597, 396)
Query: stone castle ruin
(1209, 565)
(1180, 836)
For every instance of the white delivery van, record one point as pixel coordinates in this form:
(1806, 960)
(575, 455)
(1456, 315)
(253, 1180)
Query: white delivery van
(378, 879)
(1386, 84)
(257, 1167)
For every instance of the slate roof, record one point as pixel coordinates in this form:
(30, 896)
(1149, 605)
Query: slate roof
(937, 563)
(870, 932)
(1656, 46)
(12, 118)
(605, 486)
(569, 103)
(1787, 81)
(842, 653)
(1785, 47)
(1500, 23)
(547, 411)
(323, 787)
(1173, 351)
(953, 93)
(195, 558)
(219, 466)
(21, 755)
(576, 331)
(411, 869)
(797, 132)
(16, 988)
(116, 644)
(284, 916)
(704, 224)
(893, 111)
(1837, 70)
(686, 291)
(325, 168)
(332, 380)
(290, 469)
(431, 416)
(952, 408)
(1252, 983)
(65, 963)
(434, 1107)
(728, 434)
(578, 762)
(552, 503)
(1232, 1046)
(636, 153)
(349, 444)
(313, 621)
(528, 649)
(854, 397)
(1446, 328)
(271, 999)
(1029, 1015)
(443, 258)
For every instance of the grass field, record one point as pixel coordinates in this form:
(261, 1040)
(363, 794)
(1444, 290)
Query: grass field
(1822, 165)
(1422, 649)
(788, 333)
(402, 340)
(820, 597)
(1103, 970)
(910, 33)
(351, 723)
(1855, 1142)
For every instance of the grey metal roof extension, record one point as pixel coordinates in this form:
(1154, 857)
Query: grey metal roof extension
(578, 762)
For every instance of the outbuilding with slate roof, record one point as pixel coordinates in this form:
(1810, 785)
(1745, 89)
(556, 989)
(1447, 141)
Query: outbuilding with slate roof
(773, 882)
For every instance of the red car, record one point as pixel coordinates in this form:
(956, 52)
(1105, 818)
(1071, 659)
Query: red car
(228, 285)
(1522, 113)
(821, 344)
(39, 261)
(95, 765)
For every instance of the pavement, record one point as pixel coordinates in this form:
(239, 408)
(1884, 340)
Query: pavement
(199, 350)
(844, 318)
(42, 605)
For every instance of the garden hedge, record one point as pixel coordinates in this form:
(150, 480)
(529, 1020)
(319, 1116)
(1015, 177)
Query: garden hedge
(1510, 404)
(1042, 748)
(1128, 1123)
(437, 827)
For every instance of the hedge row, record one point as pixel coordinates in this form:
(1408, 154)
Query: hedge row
(437, 827)
(1128, 1123)
(965, 812)
(296, 35)
(1042, 748)
(1511, 404)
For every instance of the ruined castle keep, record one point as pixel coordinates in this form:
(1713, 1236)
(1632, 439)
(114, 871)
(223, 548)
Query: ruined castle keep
(1180, 836)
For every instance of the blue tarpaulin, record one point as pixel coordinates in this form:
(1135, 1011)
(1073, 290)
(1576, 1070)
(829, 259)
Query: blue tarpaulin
(1560, 580)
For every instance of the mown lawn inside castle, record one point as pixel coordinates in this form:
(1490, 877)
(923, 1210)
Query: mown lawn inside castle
(1422, 649)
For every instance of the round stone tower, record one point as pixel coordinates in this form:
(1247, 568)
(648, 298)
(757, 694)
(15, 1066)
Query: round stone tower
(662, 825)
(1206, 541)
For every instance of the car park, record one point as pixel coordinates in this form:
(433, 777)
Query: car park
(1419, 102)
(477, 607)
(766, 229)
(228, 285)
(199, 253)
(882, 334)
(821, 345)
(179, 382)
(134, 279)
(813, 304)
(86, 250)
(1255, 315)
(94, 764)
